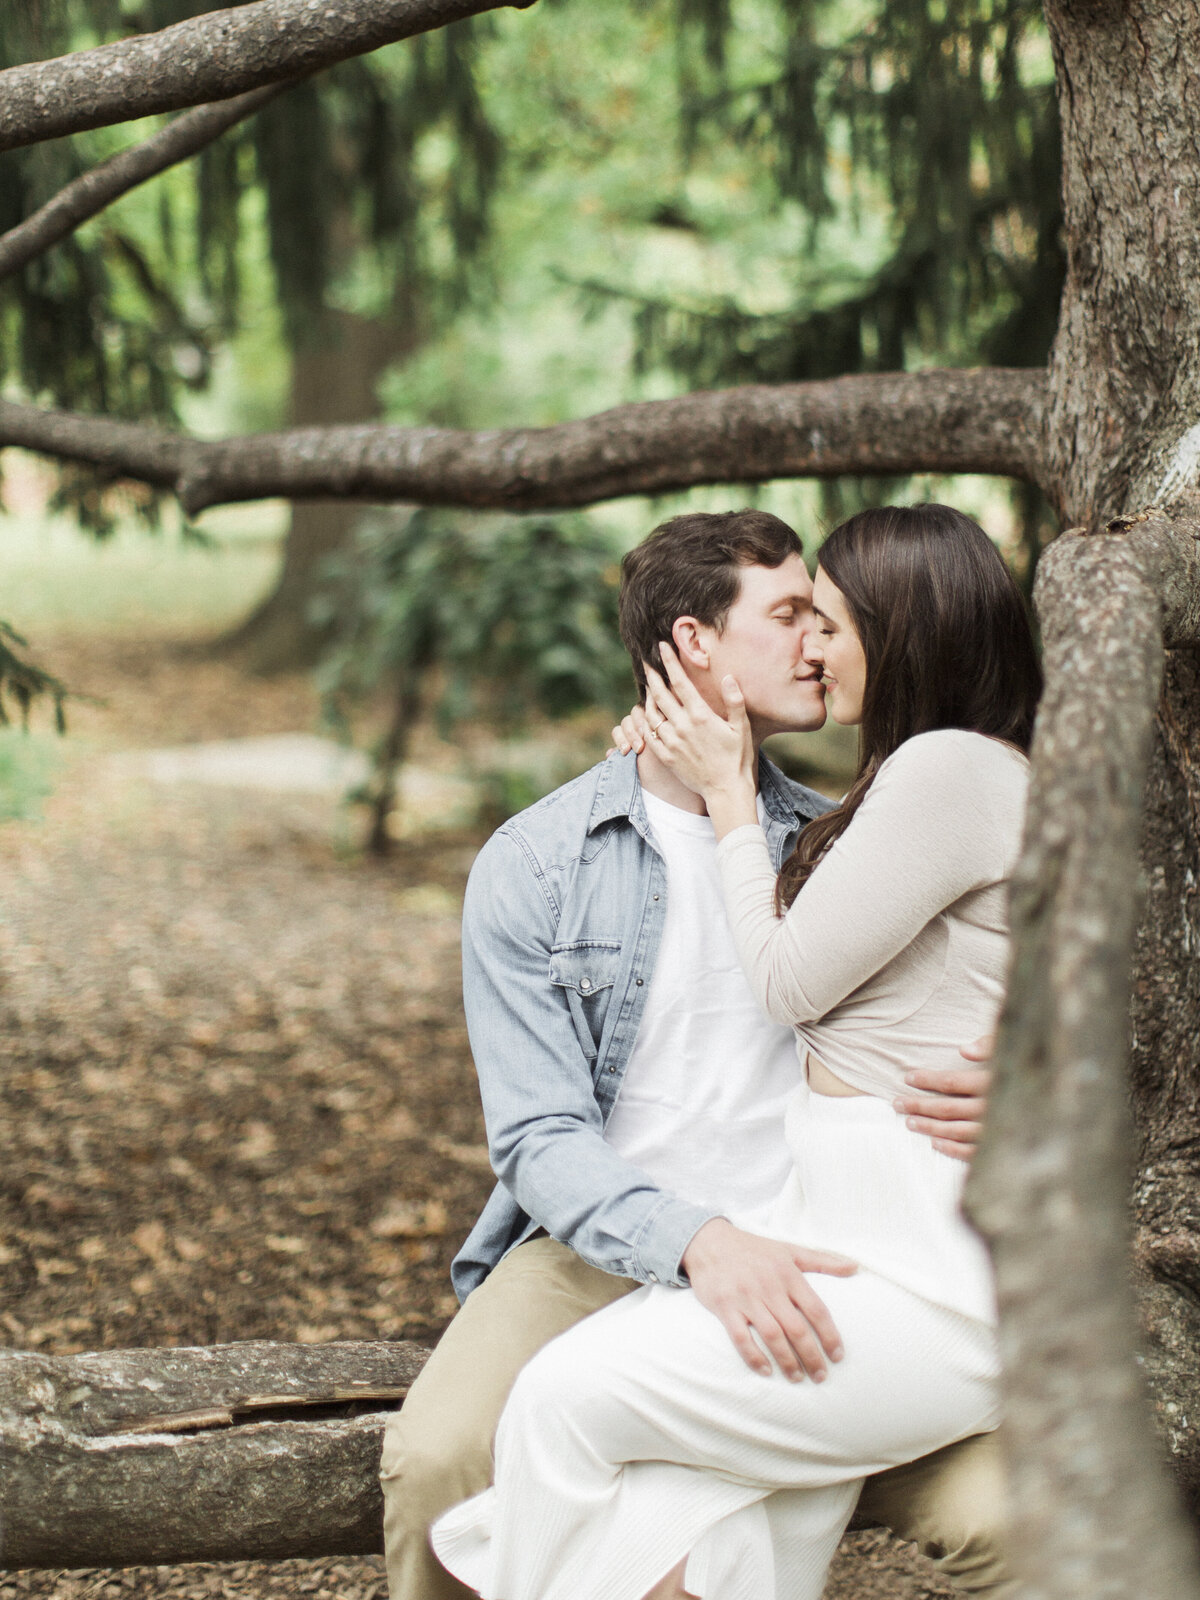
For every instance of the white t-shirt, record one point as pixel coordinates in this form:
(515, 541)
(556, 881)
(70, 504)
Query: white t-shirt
(701, 1106)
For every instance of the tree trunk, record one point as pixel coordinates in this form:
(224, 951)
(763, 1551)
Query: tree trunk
(334, 377)
(1125, 385)
(1088, 1501)
(236, 1452)
(1166, 1072)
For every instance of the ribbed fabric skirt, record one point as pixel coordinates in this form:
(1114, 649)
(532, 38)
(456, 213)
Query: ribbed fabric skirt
(640, 1436)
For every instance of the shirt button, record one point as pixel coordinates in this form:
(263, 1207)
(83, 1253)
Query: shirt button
(585, 984)
(639, 983)
(656, 897)
(612, 1069)
(652, 1277)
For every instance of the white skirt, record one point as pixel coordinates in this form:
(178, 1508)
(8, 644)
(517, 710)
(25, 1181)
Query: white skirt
(640, 1437)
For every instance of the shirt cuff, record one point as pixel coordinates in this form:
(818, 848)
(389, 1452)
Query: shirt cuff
(658, 1249)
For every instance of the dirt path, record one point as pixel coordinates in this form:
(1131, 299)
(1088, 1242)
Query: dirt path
(236, 1099)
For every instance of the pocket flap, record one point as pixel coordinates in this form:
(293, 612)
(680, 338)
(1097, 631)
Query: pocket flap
(586, 966)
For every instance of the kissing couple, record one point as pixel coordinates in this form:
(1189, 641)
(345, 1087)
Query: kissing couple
(719, 1025)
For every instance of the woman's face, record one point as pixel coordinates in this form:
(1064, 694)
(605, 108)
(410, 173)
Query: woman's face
(835, 647)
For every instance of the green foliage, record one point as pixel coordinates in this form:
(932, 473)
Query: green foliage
(25, 762)
(504, 619)
(733, 190)
(376, 177)
(940, 111)
(22, 683)
(519, 615)
(936, 118)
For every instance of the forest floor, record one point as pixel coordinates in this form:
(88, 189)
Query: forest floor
(236, 1099)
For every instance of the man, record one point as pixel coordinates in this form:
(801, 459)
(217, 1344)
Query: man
(632, 1091)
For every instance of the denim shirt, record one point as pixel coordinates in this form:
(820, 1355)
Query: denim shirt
(561, 926)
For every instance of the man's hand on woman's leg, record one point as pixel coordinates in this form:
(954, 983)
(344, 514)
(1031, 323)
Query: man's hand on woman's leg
(758, 1289)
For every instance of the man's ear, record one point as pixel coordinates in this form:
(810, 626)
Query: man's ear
(687, 635)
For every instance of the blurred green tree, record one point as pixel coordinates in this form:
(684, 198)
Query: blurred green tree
(372, 192)
(337, 172)
(469, 617)
(936, 116)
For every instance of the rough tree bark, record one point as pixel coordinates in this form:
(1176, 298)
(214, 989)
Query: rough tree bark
(1051, 1187)
(210, 57)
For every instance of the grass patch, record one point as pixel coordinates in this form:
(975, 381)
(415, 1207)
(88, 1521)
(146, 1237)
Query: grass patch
(56, 581)
(27, 765)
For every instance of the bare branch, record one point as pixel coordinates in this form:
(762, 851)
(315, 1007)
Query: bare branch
(94, 190)
(122, 449)
(888, 424)
(207, 58)
(1050, 1187)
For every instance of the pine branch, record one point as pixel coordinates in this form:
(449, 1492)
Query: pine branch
(24, 682)
(207, 58)
(93, 191)
(865, 425)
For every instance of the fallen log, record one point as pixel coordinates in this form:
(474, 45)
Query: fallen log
(251, 1451)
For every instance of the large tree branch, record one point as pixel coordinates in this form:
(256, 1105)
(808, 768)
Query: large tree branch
(90, 193)
(1050, 1187)
(210, 57)
(987, 420)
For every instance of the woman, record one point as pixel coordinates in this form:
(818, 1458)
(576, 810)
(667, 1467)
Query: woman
(638, 1454)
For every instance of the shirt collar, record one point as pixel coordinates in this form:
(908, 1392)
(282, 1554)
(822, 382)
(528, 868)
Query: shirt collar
(619, 793)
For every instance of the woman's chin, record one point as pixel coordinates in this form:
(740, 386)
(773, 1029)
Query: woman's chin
(845, 716)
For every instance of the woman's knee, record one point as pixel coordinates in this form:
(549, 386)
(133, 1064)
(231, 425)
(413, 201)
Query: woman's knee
(561, 1397)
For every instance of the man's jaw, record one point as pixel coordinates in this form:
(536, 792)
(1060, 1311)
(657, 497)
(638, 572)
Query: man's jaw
(805, 718)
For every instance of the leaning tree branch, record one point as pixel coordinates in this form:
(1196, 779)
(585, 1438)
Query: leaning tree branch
(210, 57)
(234, 1452)
(1050, 1187)
(93, 191)
(988, 420)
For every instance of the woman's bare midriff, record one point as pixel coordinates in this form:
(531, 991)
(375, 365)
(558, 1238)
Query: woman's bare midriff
(822, 1081)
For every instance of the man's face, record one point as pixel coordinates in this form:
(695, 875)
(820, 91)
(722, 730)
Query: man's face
(762, 645)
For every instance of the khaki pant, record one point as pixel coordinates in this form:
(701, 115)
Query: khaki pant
(437, 1450)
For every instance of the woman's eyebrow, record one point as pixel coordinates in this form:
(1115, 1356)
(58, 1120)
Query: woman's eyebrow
(817, 612)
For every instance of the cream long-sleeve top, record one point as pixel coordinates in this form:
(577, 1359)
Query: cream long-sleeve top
(895, 952)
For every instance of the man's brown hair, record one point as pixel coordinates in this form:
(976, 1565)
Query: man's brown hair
(689, 567)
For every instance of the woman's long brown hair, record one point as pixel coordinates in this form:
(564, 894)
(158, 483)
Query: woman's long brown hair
(948, 642)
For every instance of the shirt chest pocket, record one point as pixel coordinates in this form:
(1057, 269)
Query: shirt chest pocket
(585, 972)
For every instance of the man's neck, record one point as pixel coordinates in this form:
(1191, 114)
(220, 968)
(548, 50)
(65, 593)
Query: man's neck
(661, 782)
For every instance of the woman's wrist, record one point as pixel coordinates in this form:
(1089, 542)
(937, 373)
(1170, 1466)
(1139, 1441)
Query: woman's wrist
(733, 804)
